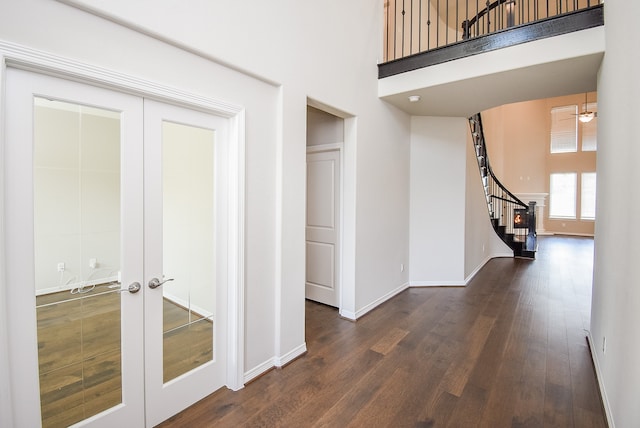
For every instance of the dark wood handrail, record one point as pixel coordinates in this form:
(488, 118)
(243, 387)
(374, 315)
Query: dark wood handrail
(478, 118)
(505, 209)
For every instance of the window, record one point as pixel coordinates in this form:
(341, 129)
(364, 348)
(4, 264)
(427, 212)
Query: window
(590, 130)
(588, 196)
(562, 195)
(564, 129)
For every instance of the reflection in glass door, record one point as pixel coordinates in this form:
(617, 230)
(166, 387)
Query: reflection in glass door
(188, 247)
(76, 169)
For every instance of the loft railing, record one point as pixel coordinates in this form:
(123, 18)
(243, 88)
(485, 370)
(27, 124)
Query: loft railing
(415, 26)
(513, 220)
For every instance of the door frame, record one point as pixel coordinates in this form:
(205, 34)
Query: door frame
(17, 56)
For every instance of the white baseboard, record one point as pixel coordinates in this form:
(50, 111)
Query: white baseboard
(258, 370)
(274, 362)
(499, 255)
(186, 304)
(290, 356)
(379, 301)
(603, 392)
(348, 315)
(584, 235)
(71, 286)
(459, 283)
(468, 279)
(417, 284)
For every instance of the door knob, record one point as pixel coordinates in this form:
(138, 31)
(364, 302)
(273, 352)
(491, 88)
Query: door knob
(134, 287)
(155, 282)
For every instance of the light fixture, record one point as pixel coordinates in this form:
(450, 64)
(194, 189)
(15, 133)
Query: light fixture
(414, 98)
(586, 115)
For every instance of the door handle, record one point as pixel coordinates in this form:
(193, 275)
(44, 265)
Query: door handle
(155, 282)
(133, 288)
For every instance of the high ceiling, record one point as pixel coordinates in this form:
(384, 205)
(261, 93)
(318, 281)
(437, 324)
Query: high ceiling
(556, 66)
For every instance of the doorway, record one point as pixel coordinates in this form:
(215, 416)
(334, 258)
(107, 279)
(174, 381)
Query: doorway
(325, 136)
(119, 218)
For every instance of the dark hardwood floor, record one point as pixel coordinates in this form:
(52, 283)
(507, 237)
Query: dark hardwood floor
(80, 355)
(509, 350)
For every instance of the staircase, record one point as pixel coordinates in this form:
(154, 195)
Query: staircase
(513, 220)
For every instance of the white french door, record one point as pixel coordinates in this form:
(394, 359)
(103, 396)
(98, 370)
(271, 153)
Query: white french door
(116, 229)
(185, 249)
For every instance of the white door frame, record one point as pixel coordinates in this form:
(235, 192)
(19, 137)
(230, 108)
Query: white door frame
(17, 56)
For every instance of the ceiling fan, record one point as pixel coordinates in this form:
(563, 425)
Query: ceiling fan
(586, 115)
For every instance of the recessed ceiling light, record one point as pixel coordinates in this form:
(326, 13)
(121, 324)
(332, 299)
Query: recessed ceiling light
(414, 98)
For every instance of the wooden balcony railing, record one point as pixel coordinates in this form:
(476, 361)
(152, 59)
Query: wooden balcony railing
(415, 26)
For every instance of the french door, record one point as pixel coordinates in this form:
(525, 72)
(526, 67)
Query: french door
(116, 230)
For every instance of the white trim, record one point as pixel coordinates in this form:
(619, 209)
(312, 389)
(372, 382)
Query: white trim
(274, 362)
(204, 313)
(603, 392)
(25, 58)
(319, 148)
(371, 306)
(6, 398)
(22, 57)
(437, 284)
(290, 356)
(350, 315)
(584, 235)
(235, 244)
(469, 277)
(259, 370)
(499, 255)
(347, 248)
(105, 14)
(278, 226)
(466, 281)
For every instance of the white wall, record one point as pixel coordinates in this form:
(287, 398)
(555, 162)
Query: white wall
(615, 311)
(326, 51)
(481, 242)
(438, 205)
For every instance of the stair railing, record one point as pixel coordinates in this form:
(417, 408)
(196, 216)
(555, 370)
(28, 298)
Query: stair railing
(513, 220)
(481, 22)
(412, 26)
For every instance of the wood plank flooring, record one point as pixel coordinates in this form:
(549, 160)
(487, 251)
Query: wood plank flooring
(509, 350)
(79, 351)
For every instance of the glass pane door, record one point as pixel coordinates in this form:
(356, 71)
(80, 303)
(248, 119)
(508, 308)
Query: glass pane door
(117, 221)
(185, 256)
(77, 259)
(74, 155)
(188, 231)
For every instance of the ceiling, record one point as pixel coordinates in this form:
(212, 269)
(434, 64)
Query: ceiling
(557, 66)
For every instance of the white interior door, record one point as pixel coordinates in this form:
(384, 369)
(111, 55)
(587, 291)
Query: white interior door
(73, 209)
(185, 250)
(103, 192)
(322, 227)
